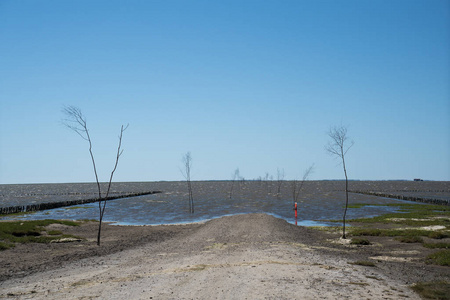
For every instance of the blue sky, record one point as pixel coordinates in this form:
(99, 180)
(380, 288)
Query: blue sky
(253, 85)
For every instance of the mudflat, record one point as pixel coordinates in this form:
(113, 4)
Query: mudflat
(252, 256)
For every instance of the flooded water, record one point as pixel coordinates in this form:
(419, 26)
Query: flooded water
(319, 201)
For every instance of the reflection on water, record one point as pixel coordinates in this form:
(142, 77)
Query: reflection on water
(212, 200)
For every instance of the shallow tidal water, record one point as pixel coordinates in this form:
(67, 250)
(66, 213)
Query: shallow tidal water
(317, 203)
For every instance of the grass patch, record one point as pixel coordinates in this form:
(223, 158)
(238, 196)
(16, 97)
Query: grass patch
(365, 231)
(410, 239)
(409, 234)
(77, 207)
(54, 232)
(433, 290)
(441, 257)
(437, 235)
(365, 263)
(437, 245)
(4, 246)
(411, 214)
(31, 231)
(18, 214)
(360, 242)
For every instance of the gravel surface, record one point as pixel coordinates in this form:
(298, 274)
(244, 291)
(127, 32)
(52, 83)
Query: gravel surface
(253, 256)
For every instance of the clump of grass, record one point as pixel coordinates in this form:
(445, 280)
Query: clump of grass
(54, 232)
(433, 290)
(365, 232)
(18, 213)
(411, 235)
(405, 232)
(30, 231)
(360, 242)
(441, 257)
(437, 245)
(77, 207)
(4, 246)
(437, 235)
(357, 205)
(365, 263)
(410, 239)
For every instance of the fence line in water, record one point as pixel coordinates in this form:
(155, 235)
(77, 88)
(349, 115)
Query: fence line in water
(50, 205)
(402, 197)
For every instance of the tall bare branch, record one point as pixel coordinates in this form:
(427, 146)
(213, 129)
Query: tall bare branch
(298, 185)
(76, 121)
(186, 171)
(339, 147)
(234, 177)
(280, 178)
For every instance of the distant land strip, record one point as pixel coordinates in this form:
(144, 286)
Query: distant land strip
(402, 197)
(50, 205)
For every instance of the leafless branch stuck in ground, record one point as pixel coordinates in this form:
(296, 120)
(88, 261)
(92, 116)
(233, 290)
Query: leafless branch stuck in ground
(234, 177)
(76, 121)
(280, 178)
(297, 185)
(186, 171)
(339, 146)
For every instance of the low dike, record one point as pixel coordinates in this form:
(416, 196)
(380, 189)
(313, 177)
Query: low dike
(58, 204)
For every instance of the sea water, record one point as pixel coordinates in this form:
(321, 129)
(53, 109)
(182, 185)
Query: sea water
(317, 203)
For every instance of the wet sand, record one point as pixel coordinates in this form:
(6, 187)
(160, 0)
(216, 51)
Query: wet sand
(253, 256)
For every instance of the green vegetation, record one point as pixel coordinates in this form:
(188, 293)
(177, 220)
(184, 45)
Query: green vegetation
(54, 232)
(409, 233)
(437, 245)
(437, 235)
(18, 214)
(360, 242)
(4, 246)
(441, 257)
(77, 207)
(433, 290)
(410, 239)
(30, 232)
(409, 226)
(366, 232)
(411, 214)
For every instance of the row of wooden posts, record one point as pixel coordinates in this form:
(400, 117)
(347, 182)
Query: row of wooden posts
(402, 197)
(50, 205)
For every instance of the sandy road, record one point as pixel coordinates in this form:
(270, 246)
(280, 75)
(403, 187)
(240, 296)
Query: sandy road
(240, 257)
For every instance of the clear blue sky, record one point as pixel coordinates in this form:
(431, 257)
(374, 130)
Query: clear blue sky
(248, 84)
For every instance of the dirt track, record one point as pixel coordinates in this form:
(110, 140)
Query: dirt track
(251, 256)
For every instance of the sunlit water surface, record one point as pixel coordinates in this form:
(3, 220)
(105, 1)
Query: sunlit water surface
(316, 204)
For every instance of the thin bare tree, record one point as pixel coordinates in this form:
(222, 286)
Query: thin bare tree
(339, 146)
(76, 121)
(186, 171)
(297, 185)
(234, 177)
(280, 178)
